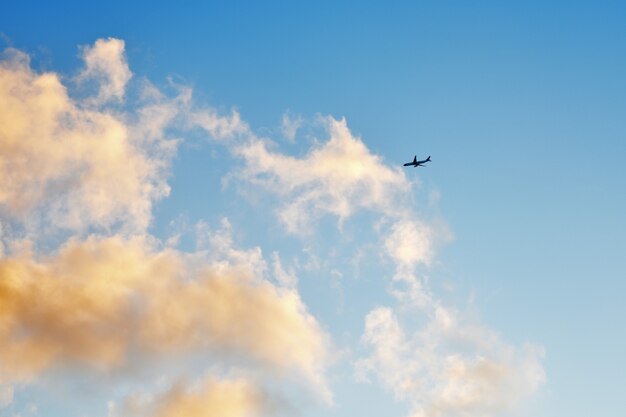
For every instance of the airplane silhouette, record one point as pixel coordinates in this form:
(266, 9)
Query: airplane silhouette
(417, 163)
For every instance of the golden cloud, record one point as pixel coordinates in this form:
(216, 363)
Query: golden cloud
(80, 162)
(98, 300)
(211, 397)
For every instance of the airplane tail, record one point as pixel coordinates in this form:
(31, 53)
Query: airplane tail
(428, 159)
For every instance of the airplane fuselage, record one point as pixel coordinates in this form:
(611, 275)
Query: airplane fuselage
(415, 163)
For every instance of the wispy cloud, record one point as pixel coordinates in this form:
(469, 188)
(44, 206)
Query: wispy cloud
(218, 126)
(337, 177)
(290, 125)
(106, 66)
(450, 367)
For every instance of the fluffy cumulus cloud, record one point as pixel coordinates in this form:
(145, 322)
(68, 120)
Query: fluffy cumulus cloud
(97, 301)
(71, 165)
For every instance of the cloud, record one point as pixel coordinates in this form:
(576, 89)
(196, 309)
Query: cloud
(290, 125)
(340, 177)
(210, 397)
(442, 364)
(410, 243)
(218, 126)
(449, 367)
(105, 64)
(74, 163)
(70, 166)
(287, 278)
(337, 177)
(99, 301)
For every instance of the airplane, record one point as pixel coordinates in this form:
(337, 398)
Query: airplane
(417, 163)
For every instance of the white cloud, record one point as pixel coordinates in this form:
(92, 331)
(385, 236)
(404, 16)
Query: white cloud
(410, 243)
(72, 167)
(105, 63)
(290, 125)
(218, 247)
(285, 277)
(219, 127)
(337, 177)
(449, 367)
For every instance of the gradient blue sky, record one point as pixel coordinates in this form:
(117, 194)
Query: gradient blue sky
(522, 106)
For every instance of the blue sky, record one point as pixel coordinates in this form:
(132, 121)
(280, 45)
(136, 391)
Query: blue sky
(521, 108)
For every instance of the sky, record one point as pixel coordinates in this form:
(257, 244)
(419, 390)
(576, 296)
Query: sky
(204, 212)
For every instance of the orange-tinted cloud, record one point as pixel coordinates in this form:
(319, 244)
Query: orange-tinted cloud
(98, 300)
(81, 162)
(211, 397)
